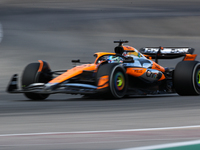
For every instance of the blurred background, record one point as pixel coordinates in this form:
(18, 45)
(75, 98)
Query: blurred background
(58, 31)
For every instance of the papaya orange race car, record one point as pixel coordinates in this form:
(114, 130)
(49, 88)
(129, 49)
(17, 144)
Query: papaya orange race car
(125, 72)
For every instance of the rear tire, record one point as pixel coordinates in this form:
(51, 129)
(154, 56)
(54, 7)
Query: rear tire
(31, 75)
(117, 84)
(187, 78)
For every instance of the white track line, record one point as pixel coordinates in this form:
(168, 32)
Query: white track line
(102, 131)
(170, 145)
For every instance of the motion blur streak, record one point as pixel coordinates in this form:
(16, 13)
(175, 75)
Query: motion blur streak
(105, 131)
(170, 145)
(1, 32)
(58, 31)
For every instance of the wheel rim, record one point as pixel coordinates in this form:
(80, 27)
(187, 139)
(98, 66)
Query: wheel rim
(119, 81)
(198, 78)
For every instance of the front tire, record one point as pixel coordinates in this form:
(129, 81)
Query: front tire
(187, 78)
(117, 83)
(31, 75)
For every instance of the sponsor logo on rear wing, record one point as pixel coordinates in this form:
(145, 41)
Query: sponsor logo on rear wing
(166, 52)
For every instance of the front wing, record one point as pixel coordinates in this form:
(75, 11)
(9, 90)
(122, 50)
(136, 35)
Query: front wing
(42, 88)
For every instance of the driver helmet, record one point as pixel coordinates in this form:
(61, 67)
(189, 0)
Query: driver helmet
(132, 53)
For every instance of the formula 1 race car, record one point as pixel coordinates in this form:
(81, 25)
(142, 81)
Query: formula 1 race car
(128, 71)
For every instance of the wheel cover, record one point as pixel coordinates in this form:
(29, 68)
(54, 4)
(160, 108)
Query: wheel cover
(198, 78)
(119, 81)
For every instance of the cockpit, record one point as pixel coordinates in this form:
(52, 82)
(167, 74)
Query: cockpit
(110, 59)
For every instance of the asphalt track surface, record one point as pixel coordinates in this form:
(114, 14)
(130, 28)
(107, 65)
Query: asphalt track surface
(60, 31)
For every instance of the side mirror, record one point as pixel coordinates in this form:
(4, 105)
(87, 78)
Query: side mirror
(76, 61)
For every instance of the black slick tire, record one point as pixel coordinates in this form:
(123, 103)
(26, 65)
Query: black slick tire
(31, 75)
(117, 84)
(187, 78)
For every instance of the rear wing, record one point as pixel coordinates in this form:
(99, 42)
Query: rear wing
(166, 52)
